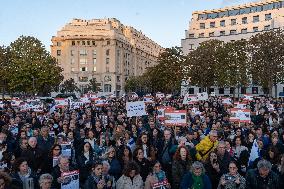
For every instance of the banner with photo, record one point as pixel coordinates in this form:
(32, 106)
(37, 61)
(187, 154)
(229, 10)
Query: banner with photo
(71, 180)
(175, 117)
(189, 99)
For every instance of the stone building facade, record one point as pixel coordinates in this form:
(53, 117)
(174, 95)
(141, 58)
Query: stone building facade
(104, 49)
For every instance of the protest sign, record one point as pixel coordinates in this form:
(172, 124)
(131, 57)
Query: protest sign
(212, 94)
(240, 115)
(248, 97)
(160, 95)
(189, 99)
(161, 111)
(61, 102)
(71, 180)
(241, 105)
(161, 185)
(136, 108)
(175, 117)
(202, 96)
(227, 101)
(148, 99)
(100, 102)
(55, 161)
(66, 149)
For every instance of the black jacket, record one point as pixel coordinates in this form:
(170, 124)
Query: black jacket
(255, 181)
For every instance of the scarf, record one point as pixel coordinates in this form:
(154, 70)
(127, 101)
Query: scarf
(197, 182)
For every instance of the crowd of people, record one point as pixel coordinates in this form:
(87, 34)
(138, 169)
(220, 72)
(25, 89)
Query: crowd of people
(111, 150)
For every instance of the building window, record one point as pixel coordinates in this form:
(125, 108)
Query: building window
(83, 43)
(94, 43)
(201, 35)
(244, 31)
(232, 90)
(211, 90)
(254, 90)
(83, 61)
(78, 42)
(211, 34)
(255, 19)
(88, 42)
(83, 69)
(255, 29)
(202, 16)
(202, 25)
(58, 44)
(222, 33)
(58, 52)
(222, 23)
(245, 11)
(233, 22)
(83, 52)
(83, 79)
(107, 60)
(190, 90)
(72, 69)
(200, 90)
(221, 90)
(267, 7)
(268, 16)
(107, 52)
(108, 42)
(107, 88)
(213, 15)
(72, 52)
(72, 61)
(94, 60)
(266, 27)
(256, 9)
(233, 32)
(243, 90)
(95, 69)
(244, 20)
(191, 35)
(212, 24)
(234, 12)
(73, 43)
(190, 46)
(223, 14)
(94, 53)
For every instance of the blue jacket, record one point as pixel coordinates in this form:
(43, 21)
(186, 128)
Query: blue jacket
(187, 181)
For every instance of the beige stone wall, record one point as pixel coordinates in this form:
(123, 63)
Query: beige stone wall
(193, 36)
(105, 49)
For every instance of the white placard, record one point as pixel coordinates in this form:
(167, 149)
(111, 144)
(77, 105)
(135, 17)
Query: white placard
(160, 95)
(71, 180)
(135, 108)
(202, 96)
(212, 94)
(189, 99)
(175, 117)
(248, 97)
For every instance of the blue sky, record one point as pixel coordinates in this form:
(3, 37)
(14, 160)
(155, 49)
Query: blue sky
(164, 21)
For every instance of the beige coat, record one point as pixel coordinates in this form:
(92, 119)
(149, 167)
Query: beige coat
(125, 182)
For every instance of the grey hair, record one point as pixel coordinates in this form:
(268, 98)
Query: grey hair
(62, 157)
(197, 164)
(32, 138)
(45, 177)
(264, 164)
(221, 143)
(213, 132)
(106, 163)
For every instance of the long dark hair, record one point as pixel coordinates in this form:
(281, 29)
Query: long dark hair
(18, 162)
(52, 148)
(129, 167)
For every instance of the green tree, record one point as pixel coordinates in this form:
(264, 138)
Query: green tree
(93, 85)
(32, 69)
(131, 84)
(4, 64)
(203, 64)
(233, 68)
(267, 59)
(69, 86)
(167, 75)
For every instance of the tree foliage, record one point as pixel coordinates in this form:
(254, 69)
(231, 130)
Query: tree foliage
(93, 85)
(31, 68)
(69, 86)
(267, 58)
